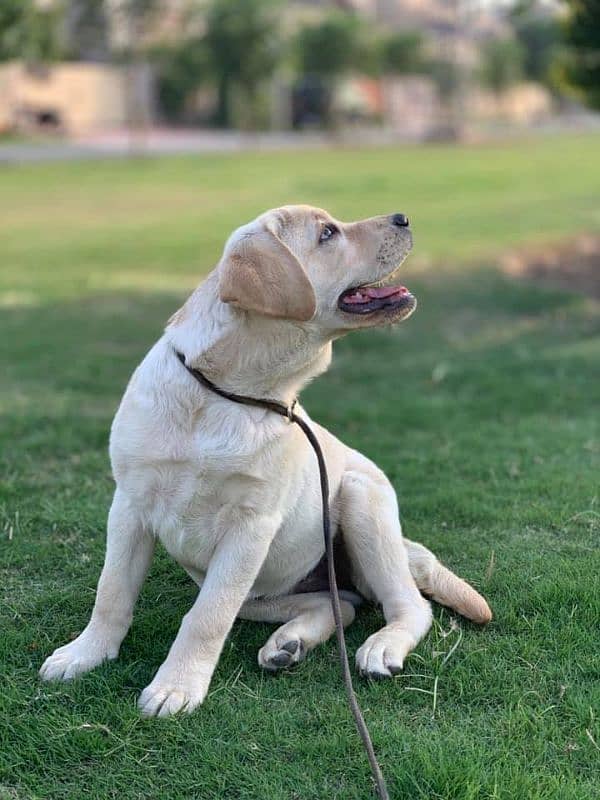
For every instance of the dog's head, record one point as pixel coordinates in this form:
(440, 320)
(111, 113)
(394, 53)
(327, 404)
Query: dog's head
(298, 263)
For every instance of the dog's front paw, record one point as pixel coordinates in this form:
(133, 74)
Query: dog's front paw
(383, 654)
(171, 692)
(77, 657)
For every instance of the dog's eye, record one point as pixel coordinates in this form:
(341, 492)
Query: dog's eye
(327, 232)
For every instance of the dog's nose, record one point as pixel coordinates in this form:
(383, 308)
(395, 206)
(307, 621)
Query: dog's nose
(400, 220)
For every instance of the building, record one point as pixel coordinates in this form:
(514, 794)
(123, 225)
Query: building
(73, 98)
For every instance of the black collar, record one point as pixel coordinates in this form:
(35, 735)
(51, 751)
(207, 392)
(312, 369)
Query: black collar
(272, 405)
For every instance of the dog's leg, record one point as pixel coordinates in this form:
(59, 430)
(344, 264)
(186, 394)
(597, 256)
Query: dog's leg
(372, 534)
(128, 554)
(182, 681)
(309, 621)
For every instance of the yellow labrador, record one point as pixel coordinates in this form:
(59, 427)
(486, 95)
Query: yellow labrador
(232, 491)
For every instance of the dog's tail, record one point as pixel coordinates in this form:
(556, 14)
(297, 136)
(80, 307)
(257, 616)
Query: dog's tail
(440, 584)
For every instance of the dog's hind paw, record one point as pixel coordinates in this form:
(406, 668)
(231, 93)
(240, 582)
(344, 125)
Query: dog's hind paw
(281, 652)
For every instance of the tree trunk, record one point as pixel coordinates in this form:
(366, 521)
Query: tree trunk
(222, 117)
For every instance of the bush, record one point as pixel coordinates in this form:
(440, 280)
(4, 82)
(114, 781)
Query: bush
(403, 53)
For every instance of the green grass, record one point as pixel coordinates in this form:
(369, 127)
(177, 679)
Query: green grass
(483, 409)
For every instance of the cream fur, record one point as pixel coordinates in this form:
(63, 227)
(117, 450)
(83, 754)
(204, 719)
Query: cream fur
(232, 492)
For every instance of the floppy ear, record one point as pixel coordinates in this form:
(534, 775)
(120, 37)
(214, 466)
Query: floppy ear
(262, 274)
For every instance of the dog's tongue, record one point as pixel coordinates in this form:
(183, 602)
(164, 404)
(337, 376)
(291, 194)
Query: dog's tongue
(374, 293)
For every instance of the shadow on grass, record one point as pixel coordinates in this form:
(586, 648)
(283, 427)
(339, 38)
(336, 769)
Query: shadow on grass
(486, 377)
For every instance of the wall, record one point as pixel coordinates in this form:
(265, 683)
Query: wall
(82, 97)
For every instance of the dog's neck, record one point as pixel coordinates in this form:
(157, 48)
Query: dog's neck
(243, 353)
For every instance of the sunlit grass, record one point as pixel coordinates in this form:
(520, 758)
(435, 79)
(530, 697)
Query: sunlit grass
(123, 223)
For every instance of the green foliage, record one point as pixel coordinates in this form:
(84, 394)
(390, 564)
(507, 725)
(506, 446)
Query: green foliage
(539, 34)
(368, 50)
(403, 53)
(29, 32)
(243, 42)
(502, 63)
(330, 47)
(336, 45)
(582, 29)
(482, 409)
(12, 14)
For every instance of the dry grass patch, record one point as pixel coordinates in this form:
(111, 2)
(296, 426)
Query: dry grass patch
(572, 264)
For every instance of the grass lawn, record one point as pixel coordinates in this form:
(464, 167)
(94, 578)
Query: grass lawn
(484, 410)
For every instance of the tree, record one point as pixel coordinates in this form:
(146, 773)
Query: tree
(28, 31)
(447, 76)
(135, 19)
(180, 69)
(325, 51)
(538, 32)
(86, 24)
(502, 64)
(582, 30)
(11, 28)
(403, 53)
(330, 47)
(243, 43)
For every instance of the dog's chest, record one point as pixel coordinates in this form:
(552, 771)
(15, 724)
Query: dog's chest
(183, 473)
(182, 490)
(188, 517)
(192, 533)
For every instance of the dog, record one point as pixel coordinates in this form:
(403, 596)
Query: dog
(232, 491)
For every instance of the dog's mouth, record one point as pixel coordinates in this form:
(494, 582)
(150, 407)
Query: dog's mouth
(379, 296)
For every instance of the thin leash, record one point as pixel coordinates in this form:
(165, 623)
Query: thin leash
(290, 414)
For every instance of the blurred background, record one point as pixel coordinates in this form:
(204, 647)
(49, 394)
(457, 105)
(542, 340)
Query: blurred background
(92, 71)
(135, 135)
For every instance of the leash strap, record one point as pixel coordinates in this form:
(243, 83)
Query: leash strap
(289, 413)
